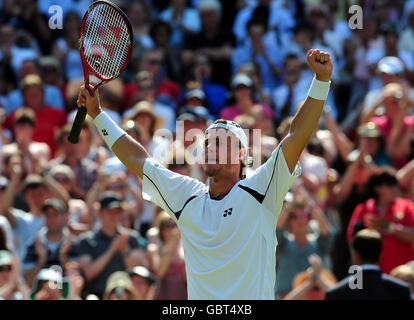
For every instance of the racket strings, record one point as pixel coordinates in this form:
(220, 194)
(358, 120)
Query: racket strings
(106, 41)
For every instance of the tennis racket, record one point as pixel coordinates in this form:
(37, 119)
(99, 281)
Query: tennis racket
(105, 43)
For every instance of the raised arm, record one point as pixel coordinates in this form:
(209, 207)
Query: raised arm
(131, 153)
(307, 117)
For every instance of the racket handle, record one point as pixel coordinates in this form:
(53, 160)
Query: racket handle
(77, 125)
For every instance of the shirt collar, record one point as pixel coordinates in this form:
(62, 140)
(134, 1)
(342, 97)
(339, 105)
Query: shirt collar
(370, 267)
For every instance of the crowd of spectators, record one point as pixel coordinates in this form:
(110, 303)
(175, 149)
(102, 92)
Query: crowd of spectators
(74, 216)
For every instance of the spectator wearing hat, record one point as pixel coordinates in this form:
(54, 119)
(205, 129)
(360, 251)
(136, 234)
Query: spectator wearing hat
(144, 282)
(390, 215)
(34, 153)
(52, 94)
(391, 70)
(194, 98)
(371, 143)
(396, 125)
(12, 287)
(213, 41)
(243, 95)
(366, 248)
(117, 182)
(103, 250)
(48, 119)
(53, 243)
(50, 285)
(193, 118)
(145, 91)
(52, 74)
(64, 175)
(119, 287)
(144, 116)
(388, 49)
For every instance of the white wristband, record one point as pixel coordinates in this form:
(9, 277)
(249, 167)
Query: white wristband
(319, 89)
(108, 129)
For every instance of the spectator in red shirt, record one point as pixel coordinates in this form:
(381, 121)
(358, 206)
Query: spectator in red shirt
(390, 215)
(166, 91)
(242, 87)
(48, 119)
(396, 125)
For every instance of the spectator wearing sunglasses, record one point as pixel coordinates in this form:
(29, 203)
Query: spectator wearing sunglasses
(391, 216)
(296, 242)
(12, 287)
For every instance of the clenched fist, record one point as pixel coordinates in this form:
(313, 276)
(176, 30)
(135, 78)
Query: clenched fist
(320, 63)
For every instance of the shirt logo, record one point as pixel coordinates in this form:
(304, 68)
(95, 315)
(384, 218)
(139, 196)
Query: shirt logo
(227, 212)
(104, 132)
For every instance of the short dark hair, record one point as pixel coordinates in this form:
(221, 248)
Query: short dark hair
(368, 244)
(384, 178)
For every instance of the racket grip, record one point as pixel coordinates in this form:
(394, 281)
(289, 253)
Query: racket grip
(77, 125)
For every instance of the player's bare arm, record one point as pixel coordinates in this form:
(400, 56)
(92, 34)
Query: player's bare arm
(307, 117)
(131, 153)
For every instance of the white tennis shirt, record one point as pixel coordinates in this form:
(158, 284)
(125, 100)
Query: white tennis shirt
(229, 244)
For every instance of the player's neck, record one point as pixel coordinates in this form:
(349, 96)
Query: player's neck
(220, 187)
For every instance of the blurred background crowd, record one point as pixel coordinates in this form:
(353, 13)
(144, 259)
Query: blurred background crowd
(73, 215)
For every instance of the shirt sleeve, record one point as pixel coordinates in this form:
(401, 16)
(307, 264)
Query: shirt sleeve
(271, 181)
(82, 247)
(168, 190)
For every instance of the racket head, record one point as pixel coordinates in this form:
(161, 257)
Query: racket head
(105, 42)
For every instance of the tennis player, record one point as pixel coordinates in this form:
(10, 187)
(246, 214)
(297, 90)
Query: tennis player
(228, 226)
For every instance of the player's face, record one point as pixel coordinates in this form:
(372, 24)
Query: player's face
(221, 153)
